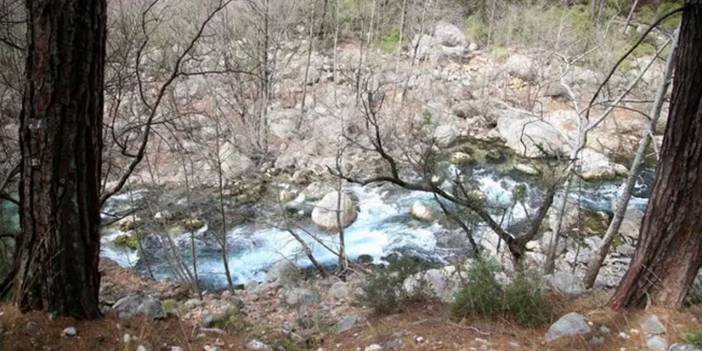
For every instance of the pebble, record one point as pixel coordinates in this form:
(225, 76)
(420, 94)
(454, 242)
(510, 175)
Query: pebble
(70, 332)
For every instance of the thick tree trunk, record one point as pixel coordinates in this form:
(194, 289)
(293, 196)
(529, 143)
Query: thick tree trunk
(669, 252)
(61, 142)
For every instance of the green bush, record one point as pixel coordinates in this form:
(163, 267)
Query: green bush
(383, 291)
(526, 301)
(482, 294)
(390, 41)
(694, 338)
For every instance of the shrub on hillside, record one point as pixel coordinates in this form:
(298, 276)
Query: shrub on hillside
(383, 289)
(524, 299)
(482, 294)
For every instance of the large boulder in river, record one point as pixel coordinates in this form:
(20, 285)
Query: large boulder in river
(324, 213)
(445, 135)
(530, 136)
(447, 34)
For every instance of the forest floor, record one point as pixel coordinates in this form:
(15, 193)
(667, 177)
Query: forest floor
(424, 326)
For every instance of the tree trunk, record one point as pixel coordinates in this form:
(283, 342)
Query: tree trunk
(636, 167)
(61, 142)
(669, 252)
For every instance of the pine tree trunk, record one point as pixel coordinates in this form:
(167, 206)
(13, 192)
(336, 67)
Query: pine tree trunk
(669, 252)
(61, 143)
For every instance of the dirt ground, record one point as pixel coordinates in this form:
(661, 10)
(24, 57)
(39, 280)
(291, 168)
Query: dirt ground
(423, 326)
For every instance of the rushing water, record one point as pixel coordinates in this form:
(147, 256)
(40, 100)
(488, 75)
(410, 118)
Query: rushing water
(384, 226)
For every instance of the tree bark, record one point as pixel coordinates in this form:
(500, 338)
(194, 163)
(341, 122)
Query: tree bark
(636, 167)
(669, 252)
(61, 144)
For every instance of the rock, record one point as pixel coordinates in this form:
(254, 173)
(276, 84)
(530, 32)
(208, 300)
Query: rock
(684, 347)
(347, 324)
(324, 213)
(631, 223)
(285, 196)
(193, 303)
(340, 290)
(526, 169)
(141, 348)
(656, 343)
(596, 166)
(132, 305)
(449, 35)
(571, 324)
(373, 347)
(461, 159)
(445, 135)
(301, 296)
(530, 136)
(257, 345)
(151, 308)
(422, 212)
(176, 348)
(69, 332)
(317, 190)
(651, 325)
(521, 66)
(494, 157)
(467, 109)
(441, 283)
(566, 284)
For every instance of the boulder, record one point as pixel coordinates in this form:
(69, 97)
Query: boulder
(133, 305)
(445, 135)
(571, 324)
(566, 284)
(526, 169)
(684, 347)
(324, 213)
(441, 283)
(651, 325)
(529, 135)
(522, 67)
(447, 34)
(467, 109)
(422, 212)
(656, 343)
(301, 297)
(597, 166)
(461, 159)
(347, 323)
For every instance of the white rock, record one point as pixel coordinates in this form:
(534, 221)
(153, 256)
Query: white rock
(521, 66)
(324, 213)
(257, 345)
(70, 332)
(651, 325)
(566, 284)
(656, 343)
(449, 35)
(571, 324)
(445, 135)
(373, 347)
(422, 212)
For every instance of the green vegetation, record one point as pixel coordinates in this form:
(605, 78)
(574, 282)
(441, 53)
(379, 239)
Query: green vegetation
(231, 320)
(390, 41)
(694, 338)
(482, 294)
(130, 241)
(524, 299)
(383, 290)
(193, 224)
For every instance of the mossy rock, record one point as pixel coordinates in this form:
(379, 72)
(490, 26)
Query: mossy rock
(192, 224)
(170, 306)
(130, 224)
(130, 241)
(231, 320)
